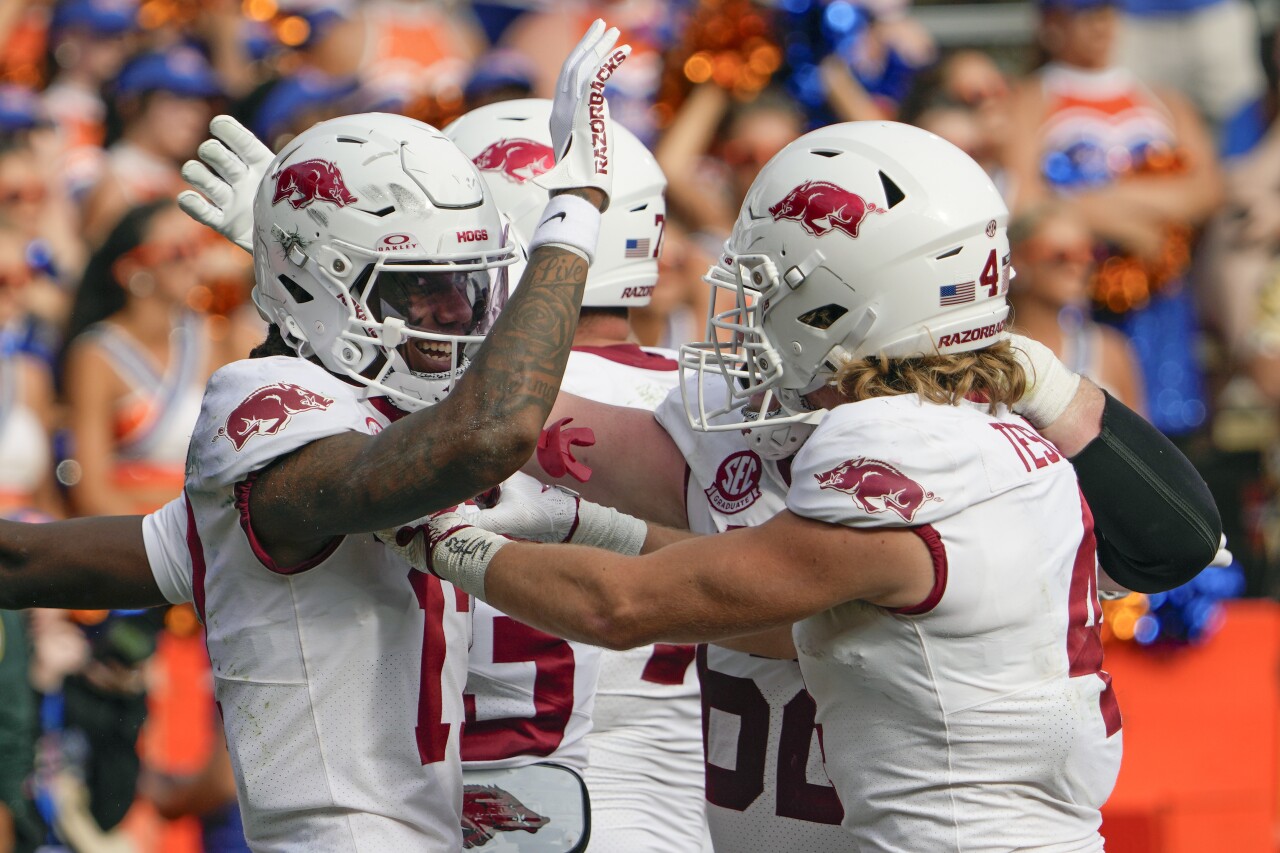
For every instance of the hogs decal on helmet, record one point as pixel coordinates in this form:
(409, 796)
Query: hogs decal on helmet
(822, 207)
(516, 159)
(311, 180)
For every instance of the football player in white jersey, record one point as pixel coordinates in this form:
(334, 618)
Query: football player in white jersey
(380, 261)
(936, 555)
(635, 712)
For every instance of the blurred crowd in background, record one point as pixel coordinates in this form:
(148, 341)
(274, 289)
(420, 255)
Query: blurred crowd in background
(1134, 143)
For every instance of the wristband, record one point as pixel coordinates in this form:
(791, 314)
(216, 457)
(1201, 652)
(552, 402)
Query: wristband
(605, 527)
(570, 223)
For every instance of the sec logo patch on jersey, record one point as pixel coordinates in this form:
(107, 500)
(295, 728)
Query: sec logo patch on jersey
(737, 483)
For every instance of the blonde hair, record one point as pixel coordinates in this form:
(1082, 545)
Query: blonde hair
(991, 375)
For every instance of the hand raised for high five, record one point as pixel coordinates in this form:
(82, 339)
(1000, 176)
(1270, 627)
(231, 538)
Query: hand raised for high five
(580, 128)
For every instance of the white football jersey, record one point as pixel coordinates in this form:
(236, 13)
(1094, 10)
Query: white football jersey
(645, 772)
(339, 679)
(979, 718)
(766, 788)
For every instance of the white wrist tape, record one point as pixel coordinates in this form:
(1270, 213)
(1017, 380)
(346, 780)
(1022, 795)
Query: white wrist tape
(571, 223)
(463, 557)
(605, 527)
(1050, 385)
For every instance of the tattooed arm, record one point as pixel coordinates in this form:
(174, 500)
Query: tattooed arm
(442, 455)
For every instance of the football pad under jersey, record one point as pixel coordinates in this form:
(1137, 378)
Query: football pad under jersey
(339, 680)
(980, 718)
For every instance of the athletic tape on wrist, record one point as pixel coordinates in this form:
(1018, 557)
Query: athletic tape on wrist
(465, 567)
(605, 527)
(568, 222)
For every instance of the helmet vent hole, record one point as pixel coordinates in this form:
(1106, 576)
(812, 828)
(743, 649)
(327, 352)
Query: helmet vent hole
(950, 253)
(821, 152)
(351, 139)
(298, 292)
(638, 208)
(892, 193)
(385, 211)
(822, 318)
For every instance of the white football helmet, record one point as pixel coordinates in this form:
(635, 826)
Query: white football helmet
(378, 249)
(510, 142)
(859, 239)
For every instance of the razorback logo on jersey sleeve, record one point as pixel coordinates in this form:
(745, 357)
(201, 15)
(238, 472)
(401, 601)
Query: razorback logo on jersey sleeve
(737, 482)
(877, 487)
(268, 410)
(488, 810)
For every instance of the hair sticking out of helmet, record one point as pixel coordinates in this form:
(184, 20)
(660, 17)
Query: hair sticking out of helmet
(510, 142)
(379, 251)
(858, 239)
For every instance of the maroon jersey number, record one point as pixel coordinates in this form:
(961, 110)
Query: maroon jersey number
(737, 789)
(432, 733)
(541, 734)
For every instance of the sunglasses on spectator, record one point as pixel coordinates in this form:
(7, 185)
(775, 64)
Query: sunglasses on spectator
(1038, 253)
(29, 193)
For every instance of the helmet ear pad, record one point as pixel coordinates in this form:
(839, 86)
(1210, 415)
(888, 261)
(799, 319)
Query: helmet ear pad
(348, 199)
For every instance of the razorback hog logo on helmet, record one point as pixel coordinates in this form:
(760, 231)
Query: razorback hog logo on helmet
(311, 180)
(488, 810)
(822, 207)
(519, 159)
(268, 410)
(877, 487)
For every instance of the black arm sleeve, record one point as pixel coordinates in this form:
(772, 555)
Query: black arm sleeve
(1156, 523)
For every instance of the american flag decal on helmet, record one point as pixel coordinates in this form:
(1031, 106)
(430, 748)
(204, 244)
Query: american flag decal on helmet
(638, 248)
(956, 294)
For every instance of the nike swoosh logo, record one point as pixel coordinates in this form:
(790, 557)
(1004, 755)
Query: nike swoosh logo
(559, 215)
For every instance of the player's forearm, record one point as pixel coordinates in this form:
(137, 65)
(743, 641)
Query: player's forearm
(86, 563)
(509, 389)
(1080, 423)
(691, 592)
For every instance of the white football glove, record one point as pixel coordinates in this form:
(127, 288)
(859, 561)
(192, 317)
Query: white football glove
(234, 164)
(555, 514)
(447, 547)
(581, 135)
(1050, 385)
